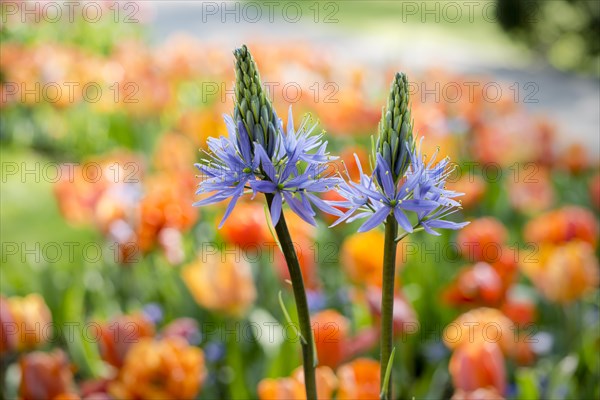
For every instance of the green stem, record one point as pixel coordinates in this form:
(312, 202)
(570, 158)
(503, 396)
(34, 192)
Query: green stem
(387, 300)
(287, 246)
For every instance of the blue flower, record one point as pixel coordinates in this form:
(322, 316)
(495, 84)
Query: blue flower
(421, 191)
(227, 168)
(293, 173)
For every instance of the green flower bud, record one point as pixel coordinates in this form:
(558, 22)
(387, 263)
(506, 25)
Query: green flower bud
(252, 106)
(396, 128)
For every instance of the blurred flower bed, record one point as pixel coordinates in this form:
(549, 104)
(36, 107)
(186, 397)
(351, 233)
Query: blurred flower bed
(173, 308)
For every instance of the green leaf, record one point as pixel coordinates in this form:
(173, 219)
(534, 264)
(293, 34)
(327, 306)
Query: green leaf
(388, 373)
(289, 319)
(527, 384)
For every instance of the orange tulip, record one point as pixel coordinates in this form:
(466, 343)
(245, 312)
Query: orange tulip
(476, 285)
(482, 239)
(292, 388)
(326, 381)
(362, 257)
(506, 264)
(164, 369)
(280, 389)
(480, 325)
(478, 365)
(520, 311)
(331, 330)
(247, 227)
(220, 283)
(564, 273)
(8, 328)
(120, 334)
(562, 225)
(32, 321)
(167, 204)
(45, 376)
(531, 194)
(359, 379)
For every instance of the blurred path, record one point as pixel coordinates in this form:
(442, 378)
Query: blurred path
(571, 101)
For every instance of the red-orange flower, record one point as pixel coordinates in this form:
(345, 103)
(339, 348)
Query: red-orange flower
(46, 376)
(246, 227)
(358, 379)
(166, 204)
(479, 284)
(164, 369)
(485, 283)
(482, 239)
(478, 365)
(331, 330)
(8, 341)
(521, 311)
(120, 334)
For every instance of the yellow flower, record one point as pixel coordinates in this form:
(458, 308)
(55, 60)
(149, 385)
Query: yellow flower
(564, 273)
(32, 321)
(221, 282)
(362, 257)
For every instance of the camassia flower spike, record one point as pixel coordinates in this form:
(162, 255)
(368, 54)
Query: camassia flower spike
(287, 166)
(402, 185)
(260, 157)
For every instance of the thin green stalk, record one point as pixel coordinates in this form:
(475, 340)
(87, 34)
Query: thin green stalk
(308, 355)
(387, 301)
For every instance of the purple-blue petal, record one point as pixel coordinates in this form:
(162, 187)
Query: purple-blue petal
(376, 219)
(297, 208)
(276, 208)
(402, 220)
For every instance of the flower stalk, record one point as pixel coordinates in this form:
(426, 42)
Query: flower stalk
(387, 302)
(308, 355)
